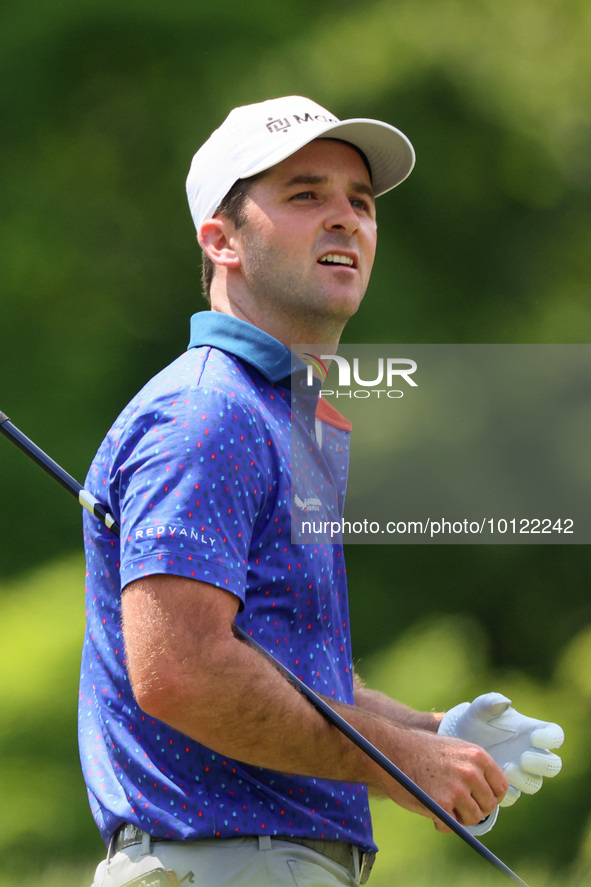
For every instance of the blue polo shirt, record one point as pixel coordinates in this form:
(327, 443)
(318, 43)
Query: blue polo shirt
(196, 469)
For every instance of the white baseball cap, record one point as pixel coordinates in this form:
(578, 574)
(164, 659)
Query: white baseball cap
(253, 138)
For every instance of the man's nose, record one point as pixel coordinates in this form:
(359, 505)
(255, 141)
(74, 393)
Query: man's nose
(342, 217)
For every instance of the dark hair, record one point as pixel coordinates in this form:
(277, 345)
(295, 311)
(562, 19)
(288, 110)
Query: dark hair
(233, 208)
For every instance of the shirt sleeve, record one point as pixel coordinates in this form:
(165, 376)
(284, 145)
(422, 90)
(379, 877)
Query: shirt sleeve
(191, 491)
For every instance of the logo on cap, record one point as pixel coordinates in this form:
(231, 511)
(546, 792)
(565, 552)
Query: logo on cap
(278, 125)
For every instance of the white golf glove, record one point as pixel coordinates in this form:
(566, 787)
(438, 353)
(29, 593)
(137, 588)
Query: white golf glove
(518, 744)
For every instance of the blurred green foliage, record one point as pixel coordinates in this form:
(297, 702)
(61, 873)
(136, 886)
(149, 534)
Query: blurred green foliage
(102, 106)
(45, 815)
(437, 663)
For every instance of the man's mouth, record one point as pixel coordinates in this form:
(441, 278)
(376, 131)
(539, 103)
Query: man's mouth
(337, 259)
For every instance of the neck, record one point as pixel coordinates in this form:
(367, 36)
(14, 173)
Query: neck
(288, 330)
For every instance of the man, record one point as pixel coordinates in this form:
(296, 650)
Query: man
(204, 765)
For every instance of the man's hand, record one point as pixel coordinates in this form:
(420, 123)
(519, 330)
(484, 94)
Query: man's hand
(460, 776)
(520, 745)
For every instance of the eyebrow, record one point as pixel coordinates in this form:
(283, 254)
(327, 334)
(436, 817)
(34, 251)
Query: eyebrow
(306, 179)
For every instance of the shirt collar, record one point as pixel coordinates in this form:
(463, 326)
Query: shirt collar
(267, 355)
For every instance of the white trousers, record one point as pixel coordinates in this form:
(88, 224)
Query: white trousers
(233, 862)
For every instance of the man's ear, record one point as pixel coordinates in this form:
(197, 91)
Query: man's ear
(217, 240)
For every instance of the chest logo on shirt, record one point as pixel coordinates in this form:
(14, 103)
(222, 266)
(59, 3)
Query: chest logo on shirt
(307, 504)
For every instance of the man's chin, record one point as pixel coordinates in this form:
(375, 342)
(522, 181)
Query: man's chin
(343, 304)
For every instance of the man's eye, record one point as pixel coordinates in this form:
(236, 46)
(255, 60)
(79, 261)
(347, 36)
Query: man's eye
(359, 203)
(302, 195)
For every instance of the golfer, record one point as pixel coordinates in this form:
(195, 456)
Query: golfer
(203, 764)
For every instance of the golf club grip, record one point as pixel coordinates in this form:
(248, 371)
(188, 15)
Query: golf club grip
(99, 510)
(38, 456)
(57, 473)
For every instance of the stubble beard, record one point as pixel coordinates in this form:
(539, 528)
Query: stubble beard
(282, 291)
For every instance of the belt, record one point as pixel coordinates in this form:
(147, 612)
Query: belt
(344, 854)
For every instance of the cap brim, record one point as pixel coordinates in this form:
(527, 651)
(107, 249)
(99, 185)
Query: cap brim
(390, 154)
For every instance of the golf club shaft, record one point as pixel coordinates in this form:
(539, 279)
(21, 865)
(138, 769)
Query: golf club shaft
(385, 763)
(100, 512)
